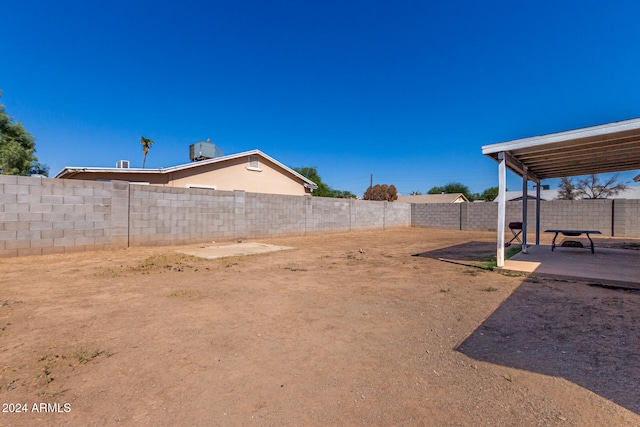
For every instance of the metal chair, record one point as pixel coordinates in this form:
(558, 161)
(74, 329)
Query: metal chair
(514, 226)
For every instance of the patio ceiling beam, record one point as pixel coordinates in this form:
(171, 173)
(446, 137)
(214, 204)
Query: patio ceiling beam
(552, 154)
(563, 171)
(605, 161)
(516, 166)
(573, 146)
(604, 157)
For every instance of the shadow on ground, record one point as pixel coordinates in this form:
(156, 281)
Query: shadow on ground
(589, 336)
(470, 251)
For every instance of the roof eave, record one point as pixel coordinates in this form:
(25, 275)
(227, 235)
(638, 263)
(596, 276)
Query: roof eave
(576, 134)
(605, 148)
(71, 170)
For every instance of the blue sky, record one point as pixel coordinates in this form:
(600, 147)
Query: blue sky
(408, 91)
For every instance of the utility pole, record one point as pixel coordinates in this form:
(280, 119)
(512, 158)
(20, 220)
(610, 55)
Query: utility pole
(370, 182)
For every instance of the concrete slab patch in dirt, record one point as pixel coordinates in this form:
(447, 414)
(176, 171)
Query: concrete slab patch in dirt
(238, 249)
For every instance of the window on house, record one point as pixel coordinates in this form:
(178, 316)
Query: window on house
(205, 187)
(254, 164)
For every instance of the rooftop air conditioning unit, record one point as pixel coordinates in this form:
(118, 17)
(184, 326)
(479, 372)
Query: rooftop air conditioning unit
(204, 151)
(123, 164)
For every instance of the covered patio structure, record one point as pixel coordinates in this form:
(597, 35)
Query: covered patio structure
(613, 147)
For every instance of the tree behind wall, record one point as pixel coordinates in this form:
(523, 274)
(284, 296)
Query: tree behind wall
(146, 145)
(323, 189)
(590, 187)
(17, 148)
(488, 195)
(381, 193)
(451, 188)
(566, 189)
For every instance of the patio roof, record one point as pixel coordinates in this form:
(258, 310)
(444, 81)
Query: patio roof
(612, 147)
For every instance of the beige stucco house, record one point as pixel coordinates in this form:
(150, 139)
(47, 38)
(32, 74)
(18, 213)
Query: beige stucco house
(252, 171)
(434, 198)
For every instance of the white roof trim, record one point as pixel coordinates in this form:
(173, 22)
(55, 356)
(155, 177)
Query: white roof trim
(613, 147)
(589, 132)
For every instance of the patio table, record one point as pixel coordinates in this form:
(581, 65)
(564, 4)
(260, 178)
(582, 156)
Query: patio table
(572, 233)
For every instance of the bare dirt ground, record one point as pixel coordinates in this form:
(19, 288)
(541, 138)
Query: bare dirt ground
(345, 329)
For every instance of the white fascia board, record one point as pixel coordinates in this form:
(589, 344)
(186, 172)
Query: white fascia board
(77, 169)
(576, 134)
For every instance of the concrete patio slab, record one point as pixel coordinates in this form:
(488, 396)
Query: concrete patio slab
(239, 249)
(620, 267)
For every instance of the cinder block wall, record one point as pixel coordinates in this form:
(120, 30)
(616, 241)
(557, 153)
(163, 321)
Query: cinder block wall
(397, 214)
(368, 214)
(484, 216)
(170, 215)
(577, 214)
(167, 216)
(266, 216)
(436, 215)
(626, 217)
(43, 216)
(556, 214)
(326, 214)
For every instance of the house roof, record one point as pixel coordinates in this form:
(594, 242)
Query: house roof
(433, 198)
(612, 147)
(517, 195)
(69, 171)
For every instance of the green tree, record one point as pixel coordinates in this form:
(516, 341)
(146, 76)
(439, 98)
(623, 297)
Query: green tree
(489, 194)
(381, 192)
(17, 148)
(323, 189)
(344, 194)
(415, 193)
(311, 173)
(453, 187)
(146, 144)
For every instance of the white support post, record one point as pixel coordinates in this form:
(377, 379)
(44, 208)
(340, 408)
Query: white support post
(525, 200)
(502, 207)
(538, 214)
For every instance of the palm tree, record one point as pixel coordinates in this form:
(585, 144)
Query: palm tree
(146, 144)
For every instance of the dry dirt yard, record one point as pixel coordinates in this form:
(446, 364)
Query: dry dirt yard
(345, 329)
